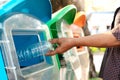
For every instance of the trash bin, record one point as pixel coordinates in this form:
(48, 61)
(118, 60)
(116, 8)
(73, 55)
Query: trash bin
(25, 29)
(25, 60)
(67, 13)
(82, 51)
(58, 26)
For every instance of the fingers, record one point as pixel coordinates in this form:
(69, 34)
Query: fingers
(53, 41)
(51, 53)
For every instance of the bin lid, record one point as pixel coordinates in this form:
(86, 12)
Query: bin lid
(38, 8)
(80, 19)
(67, 13)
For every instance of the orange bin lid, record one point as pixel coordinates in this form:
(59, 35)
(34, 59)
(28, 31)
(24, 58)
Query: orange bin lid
(80, 19)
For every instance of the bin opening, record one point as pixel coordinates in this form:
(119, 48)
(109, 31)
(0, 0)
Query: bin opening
(30, 57)
(26, 36)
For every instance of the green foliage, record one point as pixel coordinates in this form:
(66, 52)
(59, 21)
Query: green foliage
(95, 49)
(95, 79)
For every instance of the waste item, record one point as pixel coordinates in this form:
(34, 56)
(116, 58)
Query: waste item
(34, 50)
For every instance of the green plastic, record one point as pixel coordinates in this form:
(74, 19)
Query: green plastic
(68, 14)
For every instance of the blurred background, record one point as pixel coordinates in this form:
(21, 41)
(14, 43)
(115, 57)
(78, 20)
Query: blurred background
(99, 14)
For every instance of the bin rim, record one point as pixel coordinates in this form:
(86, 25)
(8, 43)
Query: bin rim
(69, 11)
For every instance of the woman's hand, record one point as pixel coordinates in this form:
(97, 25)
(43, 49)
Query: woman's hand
(64, 44)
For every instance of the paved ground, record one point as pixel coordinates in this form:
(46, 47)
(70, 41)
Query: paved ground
(98, 60)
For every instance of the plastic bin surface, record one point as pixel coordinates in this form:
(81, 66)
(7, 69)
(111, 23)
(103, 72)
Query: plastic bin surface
(82, 51)
(80, 19)
(67, 13)
(3, 75)
(23, 31)
(39, 8)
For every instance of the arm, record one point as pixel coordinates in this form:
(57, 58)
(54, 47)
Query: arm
(106, 39)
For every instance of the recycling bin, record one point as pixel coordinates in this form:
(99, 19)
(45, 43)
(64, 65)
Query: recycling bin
(27, 35)
(25, 53)
(82, 51)
(41, 9)
(67, 13)
(59, 27)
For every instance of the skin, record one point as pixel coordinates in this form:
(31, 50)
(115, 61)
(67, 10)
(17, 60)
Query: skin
(97, 40)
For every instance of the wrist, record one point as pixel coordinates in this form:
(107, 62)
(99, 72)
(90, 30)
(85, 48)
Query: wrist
(75, 42)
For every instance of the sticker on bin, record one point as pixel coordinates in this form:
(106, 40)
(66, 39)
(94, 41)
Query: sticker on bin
(34, 50)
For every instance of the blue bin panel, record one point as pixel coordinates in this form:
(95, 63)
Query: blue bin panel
(41, 9)
(25, 44)
(3, 75)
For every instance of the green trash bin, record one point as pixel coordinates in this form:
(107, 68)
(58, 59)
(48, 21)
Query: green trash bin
(67, 15)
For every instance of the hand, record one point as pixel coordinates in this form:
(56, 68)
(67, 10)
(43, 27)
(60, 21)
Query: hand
(64, 44)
